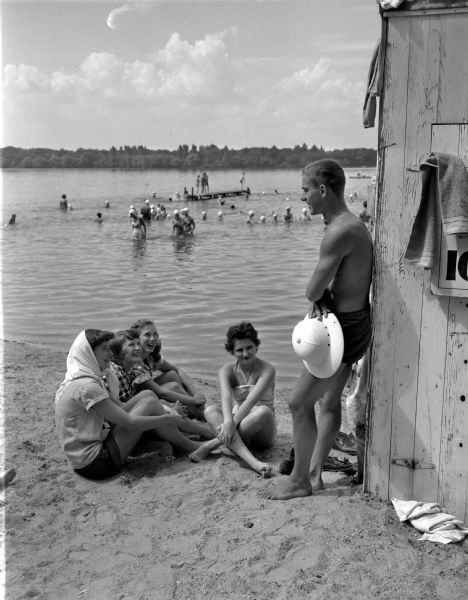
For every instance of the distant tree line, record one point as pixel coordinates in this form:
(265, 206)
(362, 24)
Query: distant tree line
(185, 157)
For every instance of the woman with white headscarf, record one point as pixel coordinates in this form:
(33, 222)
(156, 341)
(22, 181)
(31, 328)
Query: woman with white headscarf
(97, 432)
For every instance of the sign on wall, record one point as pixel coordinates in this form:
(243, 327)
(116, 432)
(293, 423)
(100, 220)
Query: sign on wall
(450, 275)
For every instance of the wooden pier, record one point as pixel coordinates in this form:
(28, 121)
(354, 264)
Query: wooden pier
(217, 194)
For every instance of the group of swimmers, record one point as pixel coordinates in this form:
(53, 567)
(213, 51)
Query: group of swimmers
(118, 386)
(183, 223)
(288, 216)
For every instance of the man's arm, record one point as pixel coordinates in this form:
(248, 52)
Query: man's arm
(334, 247)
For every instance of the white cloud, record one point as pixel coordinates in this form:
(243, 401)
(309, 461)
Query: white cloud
(199, 70)
(23, 77)
(183, 93)
(306, 78)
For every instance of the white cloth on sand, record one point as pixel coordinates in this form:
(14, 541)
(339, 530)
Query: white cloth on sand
(428, 517)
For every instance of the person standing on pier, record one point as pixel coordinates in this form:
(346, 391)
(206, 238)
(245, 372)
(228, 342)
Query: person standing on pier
(242, 180)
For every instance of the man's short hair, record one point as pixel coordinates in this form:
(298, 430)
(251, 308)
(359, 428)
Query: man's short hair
(326, 172)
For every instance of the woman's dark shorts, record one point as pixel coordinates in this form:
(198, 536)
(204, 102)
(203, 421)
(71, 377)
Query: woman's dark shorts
(106, 464)
(357, 332)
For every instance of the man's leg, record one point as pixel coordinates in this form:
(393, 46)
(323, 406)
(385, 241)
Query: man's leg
(302, 405)
(328, 426)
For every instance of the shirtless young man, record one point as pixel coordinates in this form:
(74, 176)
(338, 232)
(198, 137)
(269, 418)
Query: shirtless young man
(340, 283)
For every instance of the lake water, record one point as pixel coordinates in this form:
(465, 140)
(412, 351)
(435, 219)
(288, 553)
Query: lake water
(63, 272)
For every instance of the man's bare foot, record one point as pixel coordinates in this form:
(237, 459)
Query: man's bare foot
(317, 485)
(316, 482)
(200, 453)
(7, 477)
(289, 488)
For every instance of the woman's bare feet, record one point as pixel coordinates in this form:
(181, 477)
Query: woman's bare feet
(263, 469)
(199, 454)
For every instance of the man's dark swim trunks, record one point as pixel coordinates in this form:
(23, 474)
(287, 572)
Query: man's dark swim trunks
(357, 331)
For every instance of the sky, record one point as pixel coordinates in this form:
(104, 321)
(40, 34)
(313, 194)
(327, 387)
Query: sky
(161, 73)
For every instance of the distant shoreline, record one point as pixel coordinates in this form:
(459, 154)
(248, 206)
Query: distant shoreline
(357, 167)
(184, 158)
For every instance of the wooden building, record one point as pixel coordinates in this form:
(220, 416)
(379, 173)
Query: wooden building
(418, 389)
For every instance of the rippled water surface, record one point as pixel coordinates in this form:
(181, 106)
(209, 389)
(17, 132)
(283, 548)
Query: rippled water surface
(63, 272)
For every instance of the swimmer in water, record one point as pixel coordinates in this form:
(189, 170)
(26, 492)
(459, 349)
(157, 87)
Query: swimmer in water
(64, 202)
(12, 220)
(220, 215)
(98, 218)
(251, 216)
(288, 217)
(138, 224)
(107, 204)
(305, 215)
(177, 225)
(262, 219)
(365, 216)
(275, 217)
(188, 221)
(203, 215)
(246, 417)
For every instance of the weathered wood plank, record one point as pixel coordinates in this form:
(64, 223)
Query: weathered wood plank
(453, 82)
(454, 438)
(424, 57)
(430, 397)
(386, 299)
(453, 490)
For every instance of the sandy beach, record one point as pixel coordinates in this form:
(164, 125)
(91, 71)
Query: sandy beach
(165, 528)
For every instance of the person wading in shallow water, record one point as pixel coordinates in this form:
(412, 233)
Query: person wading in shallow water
(340, 283)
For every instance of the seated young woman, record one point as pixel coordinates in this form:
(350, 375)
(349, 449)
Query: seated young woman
(168, 381)
(96, 431)
(246, 418)
(126, 356)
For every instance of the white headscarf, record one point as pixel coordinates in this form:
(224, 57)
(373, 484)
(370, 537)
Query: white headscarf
(82, 362)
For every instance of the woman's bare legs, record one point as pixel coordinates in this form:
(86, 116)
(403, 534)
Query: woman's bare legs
(147, 404)
(214, 416)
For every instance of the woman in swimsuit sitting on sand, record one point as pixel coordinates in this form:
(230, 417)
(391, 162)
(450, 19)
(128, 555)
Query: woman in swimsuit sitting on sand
(246, 418)
(97, 432)
(168, 381)
(126, 355)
